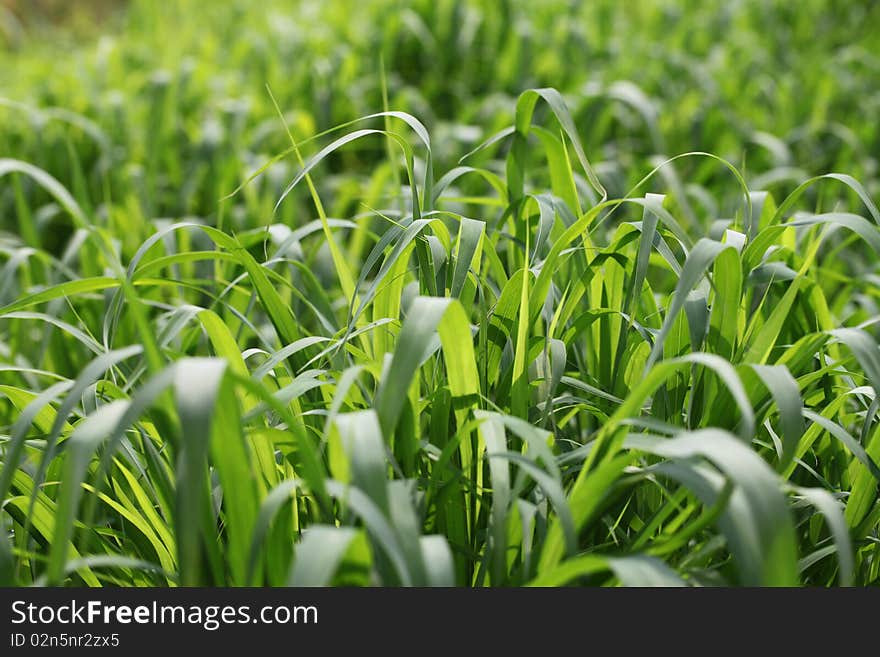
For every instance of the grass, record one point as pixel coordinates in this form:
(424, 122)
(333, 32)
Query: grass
(489, 334)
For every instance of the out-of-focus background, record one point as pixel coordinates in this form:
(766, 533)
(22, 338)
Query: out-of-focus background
(159, 109)
(82, 16)
(780, 88)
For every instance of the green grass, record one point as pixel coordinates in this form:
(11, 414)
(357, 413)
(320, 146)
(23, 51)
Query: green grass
(488, 334)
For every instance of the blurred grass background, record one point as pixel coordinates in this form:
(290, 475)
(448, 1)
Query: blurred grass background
(164, 107)
(174, 111)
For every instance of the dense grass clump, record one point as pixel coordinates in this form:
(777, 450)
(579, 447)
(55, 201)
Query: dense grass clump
(441, 293)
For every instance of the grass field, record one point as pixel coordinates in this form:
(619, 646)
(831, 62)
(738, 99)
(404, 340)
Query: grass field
(442, 292)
